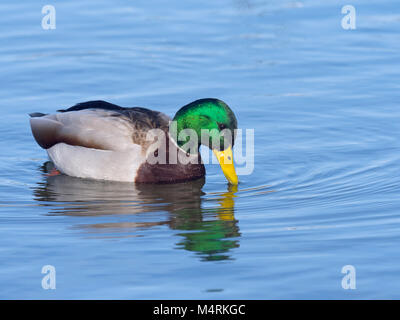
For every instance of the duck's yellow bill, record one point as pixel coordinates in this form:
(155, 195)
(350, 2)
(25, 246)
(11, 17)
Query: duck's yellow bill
(225, 159)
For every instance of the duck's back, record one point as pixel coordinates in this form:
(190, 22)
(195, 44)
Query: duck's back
(142, 118)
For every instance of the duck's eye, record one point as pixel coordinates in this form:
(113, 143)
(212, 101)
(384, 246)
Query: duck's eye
(221, 126)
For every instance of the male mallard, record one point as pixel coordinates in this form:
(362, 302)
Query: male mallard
(100, 140)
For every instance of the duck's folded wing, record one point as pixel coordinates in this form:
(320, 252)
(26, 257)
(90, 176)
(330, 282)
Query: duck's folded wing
(93, 128)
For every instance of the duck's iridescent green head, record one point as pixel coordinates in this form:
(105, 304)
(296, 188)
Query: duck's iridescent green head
(210, 115)
(214, 124)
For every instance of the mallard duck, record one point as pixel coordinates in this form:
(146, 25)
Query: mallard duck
(100, 140)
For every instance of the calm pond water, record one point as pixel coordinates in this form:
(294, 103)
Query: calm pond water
(324, 106)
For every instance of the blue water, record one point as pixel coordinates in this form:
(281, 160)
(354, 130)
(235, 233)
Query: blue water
(324, 106)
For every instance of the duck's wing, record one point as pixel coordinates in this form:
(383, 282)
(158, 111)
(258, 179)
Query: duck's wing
(139, 116)
(96, 104)
(97, 125)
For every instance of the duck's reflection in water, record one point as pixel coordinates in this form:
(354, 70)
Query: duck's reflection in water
(206, 222)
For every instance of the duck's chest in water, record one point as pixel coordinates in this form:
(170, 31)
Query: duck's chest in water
(129, 165)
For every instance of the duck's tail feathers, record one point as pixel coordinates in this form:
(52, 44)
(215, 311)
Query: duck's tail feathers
(37, 114)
